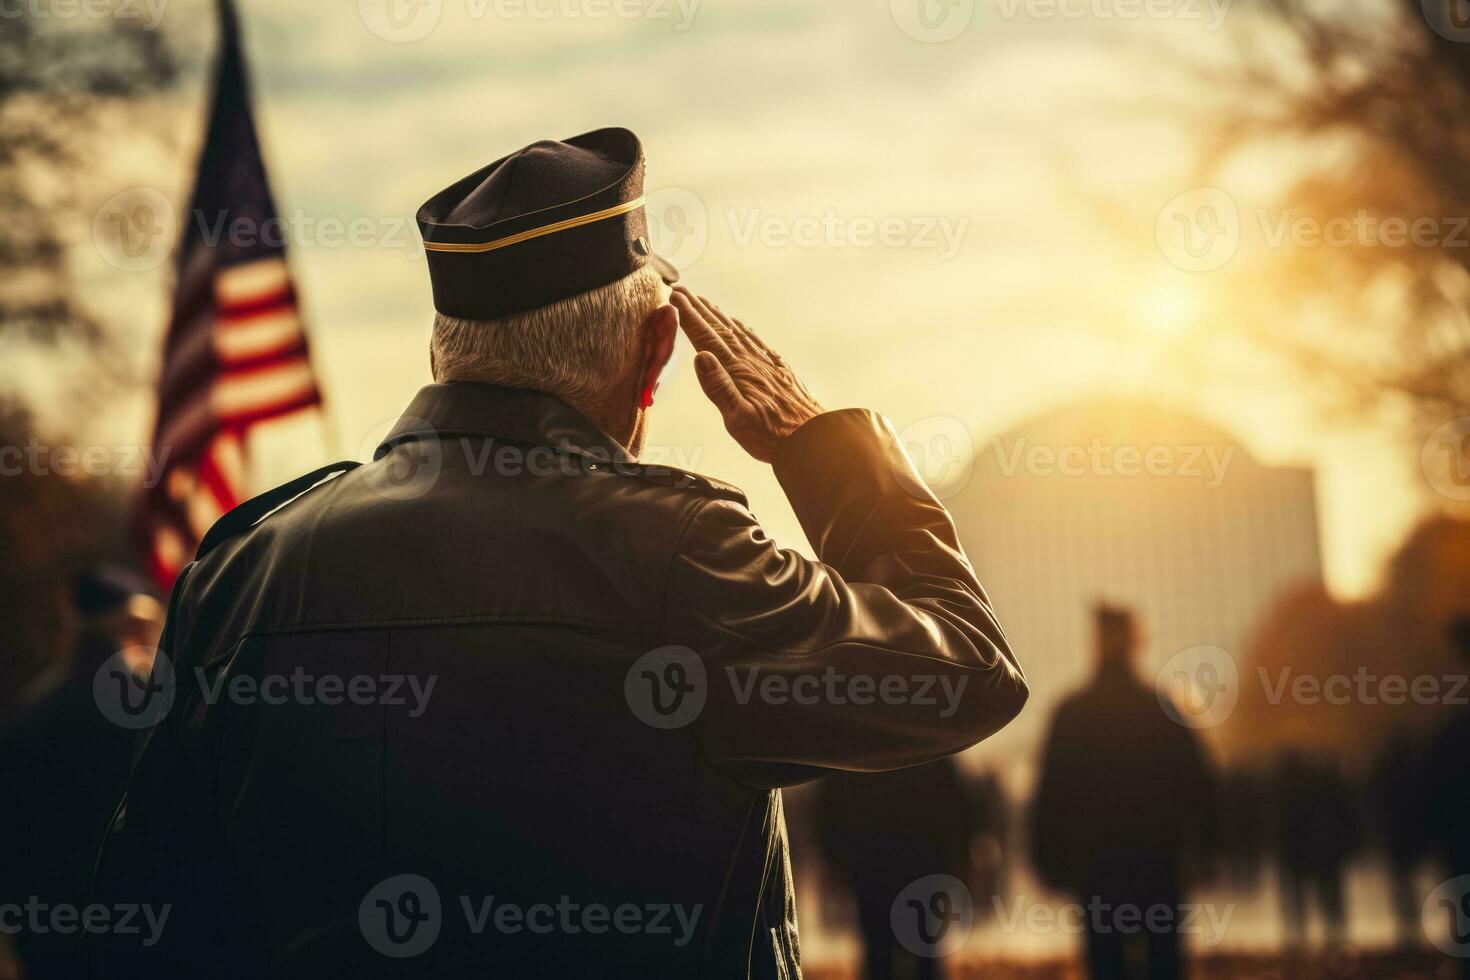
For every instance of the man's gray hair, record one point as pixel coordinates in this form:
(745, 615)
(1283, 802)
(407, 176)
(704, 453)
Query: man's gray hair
(576, 348)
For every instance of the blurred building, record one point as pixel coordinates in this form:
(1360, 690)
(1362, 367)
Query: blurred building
(1141, 505)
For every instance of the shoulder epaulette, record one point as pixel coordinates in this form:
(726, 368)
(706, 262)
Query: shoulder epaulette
(256, 509)
(670, 476)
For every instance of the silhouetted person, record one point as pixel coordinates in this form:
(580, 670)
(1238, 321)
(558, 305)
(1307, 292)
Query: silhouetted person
(1244, 824)
(990, 837)
(1398, 791)
(1320, 828)
(1448, 792)
(1122, 795)
(882, 831)
(64, 767)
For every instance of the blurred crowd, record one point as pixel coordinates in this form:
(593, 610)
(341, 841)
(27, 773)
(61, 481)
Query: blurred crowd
(1129, 811)
(64, 765)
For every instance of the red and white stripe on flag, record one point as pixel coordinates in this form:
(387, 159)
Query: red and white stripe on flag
(261, 370)
(235, 354)
(264, 370)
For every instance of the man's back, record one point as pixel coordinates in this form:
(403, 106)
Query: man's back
(1121, 789)
(426, 713)
(506, 635)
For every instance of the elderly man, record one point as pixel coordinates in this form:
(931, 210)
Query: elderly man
(505, 701)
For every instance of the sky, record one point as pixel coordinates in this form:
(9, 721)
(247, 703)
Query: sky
(943, 211)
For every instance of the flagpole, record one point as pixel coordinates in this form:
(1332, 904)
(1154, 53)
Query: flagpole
(231, 44)
(229, 24)
(331, 434)
(222, 376)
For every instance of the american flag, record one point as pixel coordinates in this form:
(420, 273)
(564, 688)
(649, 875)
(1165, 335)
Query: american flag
(235, 354)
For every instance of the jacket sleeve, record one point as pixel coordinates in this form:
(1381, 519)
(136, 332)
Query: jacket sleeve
(883, 654)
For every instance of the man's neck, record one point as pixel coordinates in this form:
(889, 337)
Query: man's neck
(617, 423)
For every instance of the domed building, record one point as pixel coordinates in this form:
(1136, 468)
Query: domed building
(1136, 504)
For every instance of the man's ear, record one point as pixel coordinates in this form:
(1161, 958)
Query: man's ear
(659, 331)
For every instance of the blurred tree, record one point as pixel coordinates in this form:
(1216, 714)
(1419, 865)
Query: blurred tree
(1398, 633)
(60, 78)
(1367, 107)
(1429, 576)
(52, 524)
(71, 77)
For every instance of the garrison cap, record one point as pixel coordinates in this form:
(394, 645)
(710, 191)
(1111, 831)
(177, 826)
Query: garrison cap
(547, 222)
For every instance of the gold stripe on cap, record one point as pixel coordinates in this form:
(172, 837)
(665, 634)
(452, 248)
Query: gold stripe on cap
(525, 236)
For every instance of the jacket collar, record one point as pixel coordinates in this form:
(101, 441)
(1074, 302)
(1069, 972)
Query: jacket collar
(466, 408)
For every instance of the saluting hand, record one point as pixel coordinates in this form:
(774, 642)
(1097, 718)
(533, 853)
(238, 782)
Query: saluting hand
(760, 398)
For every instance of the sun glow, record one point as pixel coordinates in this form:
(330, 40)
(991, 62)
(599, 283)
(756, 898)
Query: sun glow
(1169, 308)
